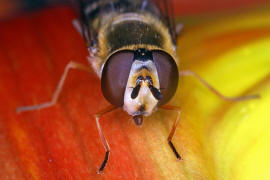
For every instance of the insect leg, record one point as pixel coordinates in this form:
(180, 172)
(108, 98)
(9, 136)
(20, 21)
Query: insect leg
(102, 137)
(71, 65)
(76, 24)
(216, 92)
(175, 123)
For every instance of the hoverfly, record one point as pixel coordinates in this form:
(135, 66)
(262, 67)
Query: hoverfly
(132, 48)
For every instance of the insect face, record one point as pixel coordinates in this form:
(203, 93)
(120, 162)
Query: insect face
(142, 91)
(139, 99)
(139, 80)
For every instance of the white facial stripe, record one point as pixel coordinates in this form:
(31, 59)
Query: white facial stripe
(145, 99)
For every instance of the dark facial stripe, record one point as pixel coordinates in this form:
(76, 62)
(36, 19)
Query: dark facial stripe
(155, 92)
(135, 91)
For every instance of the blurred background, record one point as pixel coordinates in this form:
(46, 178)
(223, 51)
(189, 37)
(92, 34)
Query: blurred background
(10, 8)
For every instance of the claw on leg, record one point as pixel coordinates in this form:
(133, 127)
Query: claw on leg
(102, 137)
(172, 132)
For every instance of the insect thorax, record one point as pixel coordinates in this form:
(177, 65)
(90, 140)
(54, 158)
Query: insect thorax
(130, 31)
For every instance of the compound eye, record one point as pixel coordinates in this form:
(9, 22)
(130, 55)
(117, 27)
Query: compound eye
(115, 75)
(167, 73)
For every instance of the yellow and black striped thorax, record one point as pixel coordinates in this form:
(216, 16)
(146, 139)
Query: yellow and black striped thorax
(127, 24)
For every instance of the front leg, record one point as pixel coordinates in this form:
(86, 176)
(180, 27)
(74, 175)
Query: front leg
(71, 65)
(102, 137)
(172, 132)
